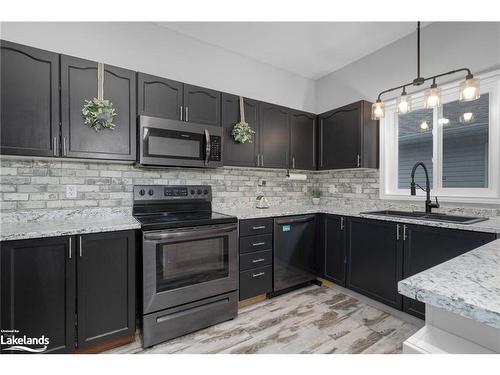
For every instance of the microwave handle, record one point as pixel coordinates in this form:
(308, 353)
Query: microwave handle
(207, 146)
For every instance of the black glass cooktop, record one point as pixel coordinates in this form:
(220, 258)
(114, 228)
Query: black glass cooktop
(166, 220)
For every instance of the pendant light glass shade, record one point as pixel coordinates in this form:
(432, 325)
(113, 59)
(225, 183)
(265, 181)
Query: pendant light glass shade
(432, 97)
(469, 90)
(378, 110)
(404, 104)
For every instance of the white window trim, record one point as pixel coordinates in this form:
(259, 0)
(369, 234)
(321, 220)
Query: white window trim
(490, 83)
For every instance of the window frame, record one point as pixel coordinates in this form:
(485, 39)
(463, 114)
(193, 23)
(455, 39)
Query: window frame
(389, 150)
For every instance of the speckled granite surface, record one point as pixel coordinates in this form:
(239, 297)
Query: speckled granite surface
(468, 285)
(65, 223)
(492, 225)
(52, 223)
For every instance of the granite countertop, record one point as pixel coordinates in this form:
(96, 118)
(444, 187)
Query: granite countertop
(492, 225)
(66, 226)
(468, 285)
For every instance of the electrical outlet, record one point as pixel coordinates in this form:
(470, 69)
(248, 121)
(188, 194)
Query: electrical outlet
(262, 183)
(70, 191)
(332, 189)
(359, 189)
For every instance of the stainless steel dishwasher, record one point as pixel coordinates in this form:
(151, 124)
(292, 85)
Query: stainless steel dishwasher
(294, 251)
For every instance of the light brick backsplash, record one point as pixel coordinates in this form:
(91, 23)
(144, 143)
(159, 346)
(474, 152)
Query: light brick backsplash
(40, 184)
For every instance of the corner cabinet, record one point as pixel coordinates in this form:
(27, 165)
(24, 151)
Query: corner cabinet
(333, 244)
(78, 291)
(348, 138)
(274, 136)
(375, 259)
(239, 154)
(302, 140)
(29, 101)
(79, 83)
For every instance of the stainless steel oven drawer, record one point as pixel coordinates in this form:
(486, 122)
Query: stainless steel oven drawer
(256, 281)
(252, 227)
(256, 243)
(177, 321)
(256, 259)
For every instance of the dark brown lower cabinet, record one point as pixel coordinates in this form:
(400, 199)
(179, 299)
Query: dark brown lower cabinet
(106, 287)
(78, 291)
(334, 248)
(426, 247)
(375, 260)
(38, 291)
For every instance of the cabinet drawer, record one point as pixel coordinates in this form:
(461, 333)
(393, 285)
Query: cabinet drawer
(256, 226)
(255, 282)
(256, 259)
(256, 243)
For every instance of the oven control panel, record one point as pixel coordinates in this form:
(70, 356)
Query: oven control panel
(215, 148)
(172, 192)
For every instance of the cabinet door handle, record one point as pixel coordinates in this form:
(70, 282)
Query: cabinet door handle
(64, 147)
(341, 223)
(69, 250)
(359, 160)
(262, 160)
(180, 112)
(255, 244)
(397, 232)
(258, 274)
(81, 252)
(258, 160)
(259, 227)
(54, 145)
(293, 162)
(321, 144)
(258, 260)
(404, 233)
(186, 111)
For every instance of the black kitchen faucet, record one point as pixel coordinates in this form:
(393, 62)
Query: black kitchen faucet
(428, 204)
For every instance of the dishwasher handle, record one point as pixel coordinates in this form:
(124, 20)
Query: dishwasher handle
(300, 219)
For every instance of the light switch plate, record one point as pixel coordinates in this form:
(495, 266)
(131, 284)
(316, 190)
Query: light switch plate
(70, 191)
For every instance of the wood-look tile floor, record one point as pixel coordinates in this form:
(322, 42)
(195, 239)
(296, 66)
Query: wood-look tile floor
(309, 320)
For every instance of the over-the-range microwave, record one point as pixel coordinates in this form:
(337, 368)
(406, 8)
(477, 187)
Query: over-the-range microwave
(164, 142)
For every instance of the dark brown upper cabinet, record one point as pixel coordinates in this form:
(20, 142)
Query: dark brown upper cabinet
(239, 154)
(79, 83)
(302, 140)
(348, 138)
(201, 105)
(159, 97)
(274, 136)
(29, 101)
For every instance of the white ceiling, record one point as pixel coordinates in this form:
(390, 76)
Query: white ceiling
(310, 49)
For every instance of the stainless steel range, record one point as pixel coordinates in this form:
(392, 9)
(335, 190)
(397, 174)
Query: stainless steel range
(189, 261)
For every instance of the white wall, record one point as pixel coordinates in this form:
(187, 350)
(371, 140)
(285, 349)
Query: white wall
(444, 46)
(156, 50)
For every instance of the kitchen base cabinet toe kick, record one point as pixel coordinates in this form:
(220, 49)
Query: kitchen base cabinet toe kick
(77, 291)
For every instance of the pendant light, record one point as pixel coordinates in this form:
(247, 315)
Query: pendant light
(432, 96)
(469, 89)
(378, 110)
(404, 103)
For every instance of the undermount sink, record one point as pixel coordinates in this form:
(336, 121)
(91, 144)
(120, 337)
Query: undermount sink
(428, 216)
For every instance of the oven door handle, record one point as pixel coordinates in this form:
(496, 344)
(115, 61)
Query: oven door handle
(207, 146)
(191, 233)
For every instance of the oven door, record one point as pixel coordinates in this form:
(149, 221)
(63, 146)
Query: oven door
(188, 264)
(177, 143)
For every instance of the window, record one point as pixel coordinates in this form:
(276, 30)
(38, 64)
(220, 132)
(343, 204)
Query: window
(458, 142)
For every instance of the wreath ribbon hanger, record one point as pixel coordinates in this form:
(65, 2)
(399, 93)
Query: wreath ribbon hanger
(100, 81)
